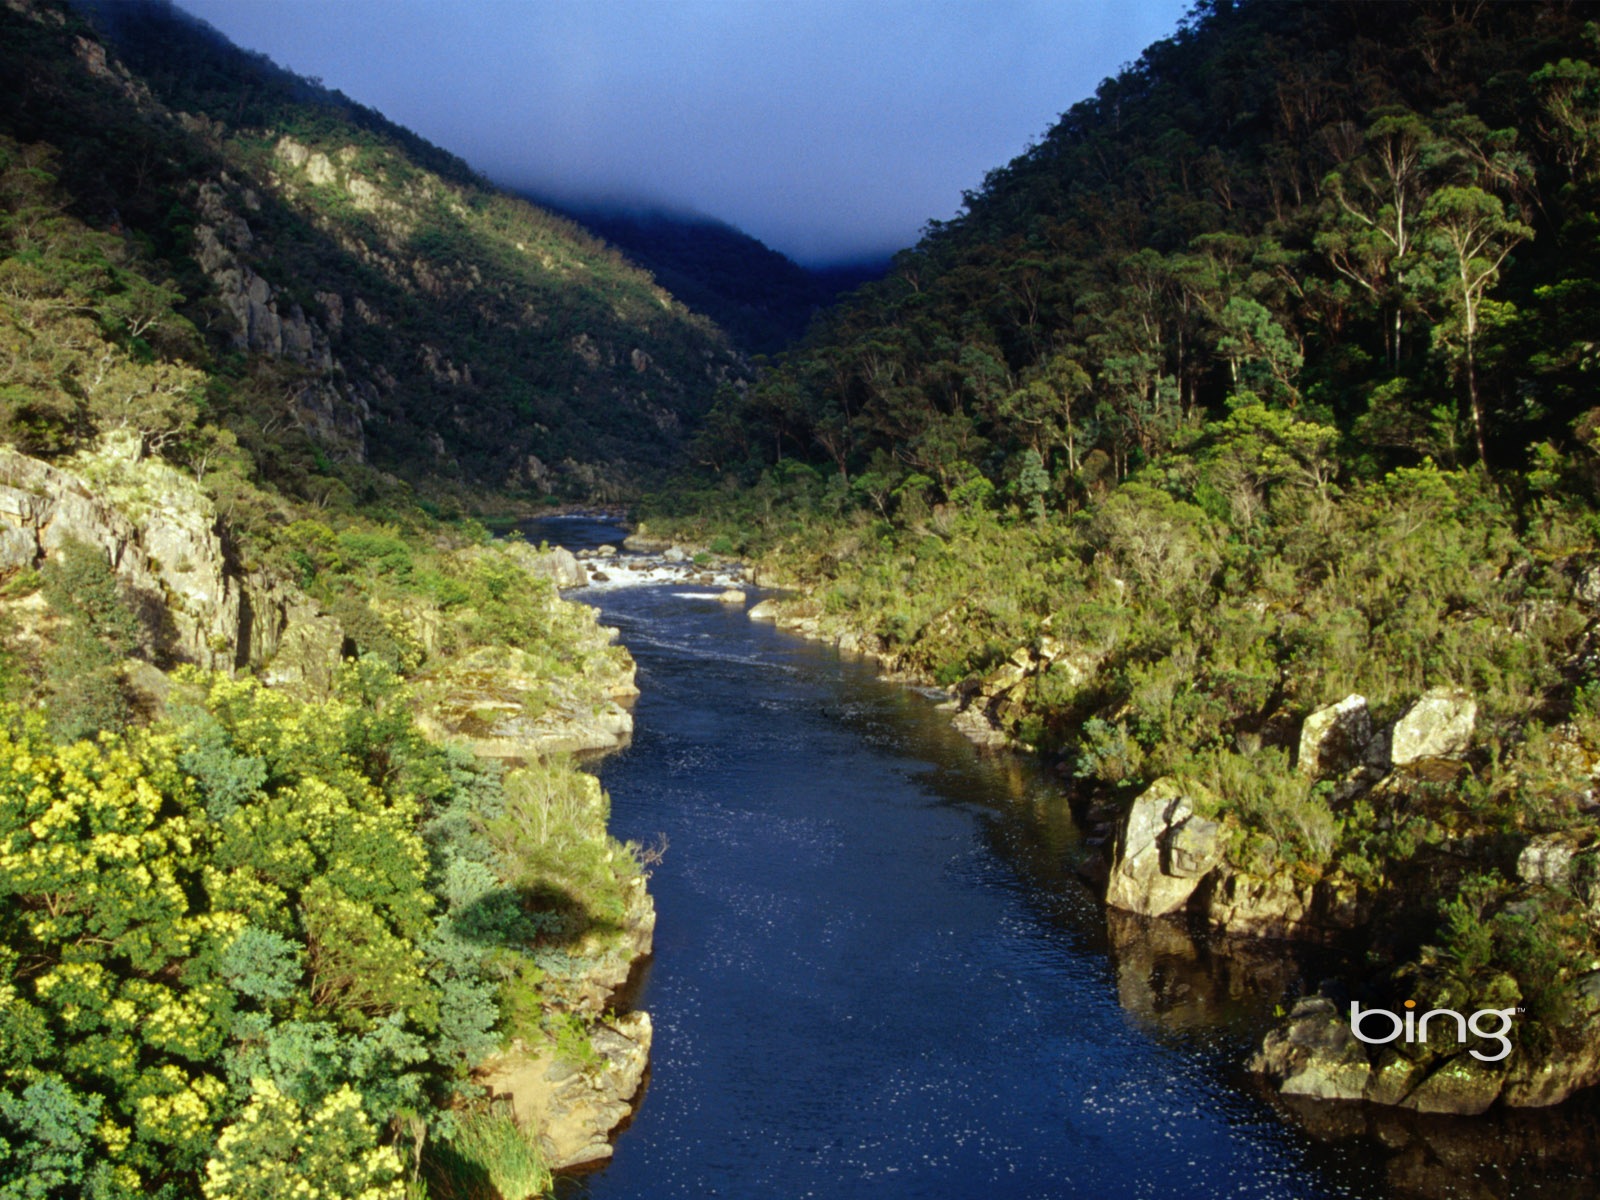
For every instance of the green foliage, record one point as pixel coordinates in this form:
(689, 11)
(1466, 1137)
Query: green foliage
(257, 937)
(79, 584)
(280, 1147)
(1281, 817)
(487, 1154)
(46, 1145)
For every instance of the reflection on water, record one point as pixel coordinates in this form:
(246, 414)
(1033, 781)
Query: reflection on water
(1178, 984)
(1552, 1154)
(879, 974)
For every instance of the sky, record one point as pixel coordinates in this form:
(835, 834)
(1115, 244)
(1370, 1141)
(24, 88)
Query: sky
(832, 130)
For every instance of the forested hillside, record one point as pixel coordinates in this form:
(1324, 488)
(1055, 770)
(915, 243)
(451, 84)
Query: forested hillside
(290, 848)
(1237, 445)
(414, 317)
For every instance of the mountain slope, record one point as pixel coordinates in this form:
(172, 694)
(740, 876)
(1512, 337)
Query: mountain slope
(762, 298)
(1237, 446)
(417, 317)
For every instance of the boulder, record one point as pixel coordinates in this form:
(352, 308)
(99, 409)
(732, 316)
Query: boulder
(731, 596)
(1586, 590)
(1333, 737)
(560, 566)
(1439, 725)
(1162, 850)
(644, 543)
(1314, 1054)
(1547, 860)
(1462, 1086)
(765, 610)
(675, 554)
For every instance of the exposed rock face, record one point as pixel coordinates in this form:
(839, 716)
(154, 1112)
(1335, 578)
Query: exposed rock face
(557, 565)
(1162, 850)
(501, 703)
(1279, 907)
(1439, 725)
(44, 508)
(575, 1107)
(193, 606)
(308, 655)
(1332, 738)
(1315, 1053)
(1252, 906)
(266, 324)
(1547, 860)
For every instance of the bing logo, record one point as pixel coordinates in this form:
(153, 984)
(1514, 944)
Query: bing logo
(1415, 1028)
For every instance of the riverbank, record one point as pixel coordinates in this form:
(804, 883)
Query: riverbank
(880, 974)
(1213, 795)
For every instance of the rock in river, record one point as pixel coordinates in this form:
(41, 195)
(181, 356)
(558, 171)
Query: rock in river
(1162, 850)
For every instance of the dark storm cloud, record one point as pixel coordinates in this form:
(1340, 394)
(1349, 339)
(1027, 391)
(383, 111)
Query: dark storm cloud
(827, 129)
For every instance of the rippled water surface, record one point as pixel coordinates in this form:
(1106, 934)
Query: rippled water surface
(877, 975)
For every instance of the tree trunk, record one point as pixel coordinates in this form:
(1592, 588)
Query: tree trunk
(1477, 406)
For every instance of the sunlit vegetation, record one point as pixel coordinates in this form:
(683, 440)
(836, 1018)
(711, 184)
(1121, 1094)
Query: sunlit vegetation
(1260, 380)
(259, 936)
(256, 940)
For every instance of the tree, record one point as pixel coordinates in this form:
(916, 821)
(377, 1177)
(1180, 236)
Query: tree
(1471, 233)
(1377, 200)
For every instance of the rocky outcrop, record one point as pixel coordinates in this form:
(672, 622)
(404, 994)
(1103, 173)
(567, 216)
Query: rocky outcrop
(326, 405)
(503, 703)
(1163, 849)
(554, 563)
(170, 563)
(1315, 1053)
(1283, 908)
(576, 1105)
(1438, 725)
(310, 648)
(1333, 737)
(159, 533)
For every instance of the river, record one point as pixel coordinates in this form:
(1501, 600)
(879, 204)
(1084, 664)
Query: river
(877, 973)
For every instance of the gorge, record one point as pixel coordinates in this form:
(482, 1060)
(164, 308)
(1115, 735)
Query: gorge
(1150, 621)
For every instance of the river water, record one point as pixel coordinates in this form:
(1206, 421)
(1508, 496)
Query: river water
(877, 974)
